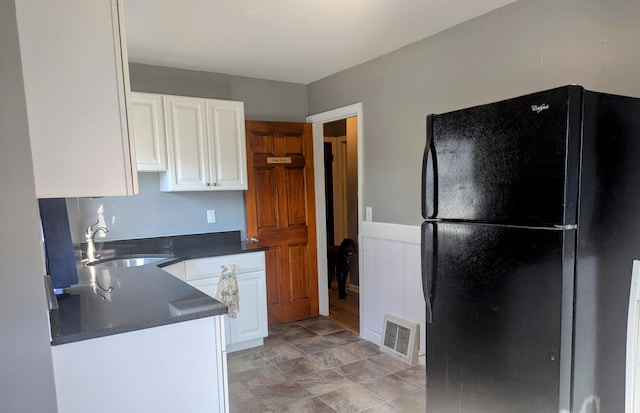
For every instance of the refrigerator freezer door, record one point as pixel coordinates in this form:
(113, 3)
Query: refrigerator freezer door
(494, 340)
(511, 162)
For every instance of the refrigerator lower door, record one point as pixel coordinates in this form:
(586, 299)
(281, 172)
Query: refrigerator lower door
(494, 338)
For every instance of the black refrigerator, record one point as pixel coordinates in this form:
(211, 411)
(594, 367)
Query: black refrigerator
(532, 222)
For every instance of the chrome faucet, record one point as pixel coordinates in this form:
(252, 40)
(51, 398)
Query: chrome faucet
(89, 235)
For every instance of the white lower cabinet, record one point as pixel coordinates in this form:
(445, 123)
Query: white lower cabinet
(180, 367)
(177, 270)
(250, 326)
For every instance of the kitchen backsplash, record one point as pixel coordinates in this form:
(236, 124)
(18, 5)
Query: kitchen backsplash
(153, 213)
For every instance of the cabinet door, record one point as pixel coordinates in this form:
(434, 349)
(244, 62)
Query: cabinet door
(148, 132)
(209, 286)
(177, 270)
(76, 80)
(251, 322)
(227, 153)
(188, 163)
(178, 367)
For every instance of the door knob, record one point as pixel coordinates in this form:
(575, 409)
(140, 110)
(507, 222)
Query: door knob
(255, 240)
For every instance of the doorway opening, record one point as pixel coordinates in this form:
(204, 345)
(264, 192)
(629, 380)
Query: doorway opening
(349, 114)
(341, 205)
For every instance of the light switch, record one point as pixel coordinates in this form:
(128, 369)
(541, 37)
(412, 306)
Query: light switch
(211, 216)
(368, 214)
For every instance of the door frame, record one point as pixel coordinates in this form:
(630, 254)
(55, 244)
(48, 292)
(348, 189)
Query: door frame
(318, 120)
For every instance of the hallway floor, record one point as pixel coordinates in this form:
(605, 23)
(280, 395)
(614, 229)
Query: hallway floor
(345, 311)
(317, 365)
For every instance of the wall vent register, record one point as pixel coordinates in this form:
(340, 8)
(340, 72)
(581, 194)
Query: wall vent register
(401, 338)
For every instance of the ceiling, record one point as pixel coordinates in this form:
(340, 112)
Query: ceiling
(297, 41)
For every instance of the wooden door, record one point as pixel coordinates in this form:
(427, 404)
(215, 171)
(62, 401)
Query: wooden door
(280, 210)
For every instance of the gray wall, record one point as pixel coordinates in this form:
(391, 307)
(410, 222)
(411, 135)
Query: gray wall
(155, 213)
(527, 46)
(26, 370)
(263, 99)
(152, 213)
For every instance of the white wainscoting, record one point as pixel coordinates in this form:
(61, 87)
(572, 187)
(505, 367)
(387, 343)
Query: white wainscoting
(392, 279)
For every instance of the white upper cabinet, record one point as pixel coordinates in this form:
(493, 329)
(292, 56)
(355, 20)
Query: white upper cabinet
(227, 150)
(76, 81)
(148, 132)
(188, 166)
(205, 145)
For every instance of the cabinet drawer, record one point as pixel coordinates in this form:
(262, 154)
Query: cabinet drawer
(212, 266)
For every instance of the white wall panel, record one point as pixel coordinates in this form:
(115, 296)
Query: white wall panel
(392, 281)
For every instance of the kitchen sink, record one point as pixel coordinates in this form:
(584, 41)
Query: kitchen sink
(124, 262)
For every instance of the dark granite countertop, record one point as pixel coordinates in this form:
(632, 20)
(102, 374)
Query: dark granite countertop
(179, 247)
(110, 301)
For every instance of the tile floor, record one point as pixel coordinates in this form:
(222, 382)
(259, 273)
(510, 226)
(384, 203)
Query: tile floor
(318, 366)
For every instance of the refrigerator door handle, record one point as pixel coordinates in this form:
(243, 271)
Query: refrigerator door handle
(429, 277)
(429, 187)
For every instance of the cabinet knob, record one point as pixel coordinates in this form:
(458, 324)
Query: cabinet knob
(208, 184)
(255, 240)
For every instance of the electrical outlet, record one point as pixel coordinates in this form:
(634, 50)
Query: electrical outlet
(368, 214)
(211, 216)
